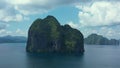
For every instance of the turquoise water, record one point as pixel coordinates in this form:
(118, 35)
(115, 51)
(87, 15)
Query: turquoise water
(13, 55)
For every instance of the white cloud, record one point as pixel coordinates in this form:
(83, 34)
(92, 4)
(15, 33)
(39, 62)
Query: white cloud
(74, 25)
(3, 25)
(99, 13)
(16, 18)
(91, 13)
(109, 32)
(18, 10)
(17, 32)
(2, 31)
(10, 9)
(5, 32)
(8, 12)
(100, 17)
(30, 10)
(20, 32)
(28, 7)
(18, 1)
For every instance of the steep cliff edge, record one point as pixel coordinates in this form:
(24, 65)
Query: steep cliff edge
(48, 36)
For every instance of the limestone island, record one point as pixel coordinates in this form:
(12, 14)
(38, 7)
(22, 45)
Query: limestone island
(95, 39)
(48, 36)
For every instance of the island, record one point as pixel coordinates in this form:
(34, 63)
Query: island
(95, 39)
(48, 36)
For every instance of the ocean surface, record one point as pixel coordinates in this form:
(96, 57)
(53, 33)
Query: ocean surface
(13, 55)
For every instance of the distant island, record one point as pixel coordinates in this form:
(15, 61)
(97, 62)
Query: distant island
(13, 39)
(95, 39)
(48, 36)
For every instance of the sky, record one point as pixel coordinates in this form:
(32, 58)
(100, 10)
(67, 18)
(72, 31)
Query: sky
(88, 16)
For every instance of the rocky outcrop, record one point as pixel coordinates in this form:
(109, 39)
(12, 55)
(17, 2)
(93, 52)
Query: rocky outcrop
(48, 36)
(95, 39)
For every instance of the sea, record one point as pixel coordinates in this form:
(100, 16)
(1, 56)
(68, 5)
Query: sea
(14, 55)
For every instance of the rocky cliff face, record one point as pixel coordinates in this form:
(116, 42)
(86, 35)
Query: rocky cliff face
(48, 36)
(95, 39)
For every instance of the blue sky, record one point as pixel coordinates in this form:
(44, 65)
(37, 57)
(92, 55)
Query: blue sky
(88, 16)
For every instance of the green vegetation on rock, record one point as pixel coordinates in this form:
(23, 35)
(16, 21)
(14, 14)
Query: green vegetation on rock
(95, 39)
(48, 36)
